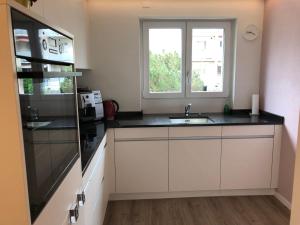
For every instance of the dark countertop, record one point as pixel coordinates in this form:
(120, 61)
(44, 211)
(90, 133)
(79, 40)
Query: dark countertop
(92, 133)
(217, 119)
(91, 136)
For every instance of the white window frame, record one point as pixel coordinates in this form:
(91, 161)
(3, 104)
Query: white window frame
(187, 26)
(162, 25)
(226, 26)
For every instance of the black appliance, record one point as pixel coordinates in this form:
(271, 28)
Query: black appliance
(48, 103)
(91, 135)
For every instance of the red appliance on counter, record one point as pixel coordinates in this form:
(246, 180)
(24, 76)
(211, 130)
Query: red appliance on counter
(111, 107)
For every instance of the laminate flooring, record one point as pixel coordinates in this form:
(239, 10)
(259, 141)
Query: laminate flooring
(248, 210)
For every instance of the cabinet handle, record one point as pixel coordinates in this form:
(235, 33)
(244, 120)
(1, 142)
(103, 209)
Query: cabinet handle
(74, 214)
(81, 198)
(102, 180)
(105, 145)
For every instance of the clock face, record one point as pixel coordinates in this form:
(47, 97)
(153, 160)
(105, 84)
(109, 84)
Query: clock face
(251, 32)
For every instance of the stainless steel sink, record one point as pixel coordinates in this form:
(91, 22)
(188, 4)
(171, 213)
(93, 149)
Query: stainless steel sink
(37, 124)
(190, 116)
(202, 120)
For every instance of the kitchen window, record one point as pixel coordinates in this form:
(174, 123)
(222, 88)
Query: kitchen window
(186, 58)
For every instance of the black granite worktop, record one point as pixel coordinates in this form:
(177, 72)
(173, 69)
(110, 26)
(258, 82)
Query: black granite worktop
(241, 117)
(92, 133)
(91, 136)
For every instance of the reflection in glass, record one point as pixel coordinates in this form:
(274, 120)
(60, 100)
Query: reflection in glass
(207, 60)
(55, 46)
(22, 42)
(49, 150)
(36, 40)
(25, 86)
(47, 86)
(50, 134)
(53, 86)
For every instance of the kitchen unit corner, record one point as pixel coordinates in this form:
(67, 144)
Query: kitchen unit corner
(195, 160)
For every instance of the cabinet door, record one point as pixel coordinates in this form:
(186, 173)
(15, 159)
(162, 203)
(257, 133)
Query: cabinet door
(107, 182)
(56, 212)
(195, 165)
(38, 8)
(141, 166)
(246, 163)
(94, 192)
(72, 16)
(99, 197)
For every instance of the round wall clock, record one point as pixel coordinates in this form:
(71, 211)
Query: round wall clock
(251, 32)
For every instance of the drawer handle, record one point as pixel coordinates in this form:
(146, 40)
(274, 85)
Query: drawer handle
(74, 214)
(81, 199)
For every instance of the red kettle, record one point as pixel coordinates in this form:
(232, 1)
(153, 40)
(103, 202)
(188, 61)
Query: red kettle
(111, 107)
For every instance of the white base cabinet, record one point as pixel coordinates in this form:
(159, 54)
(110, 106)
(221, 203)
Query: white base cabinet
(95, 188)
(195, 165)
(194, 159)
(165, 162)
(141, 166)
(57, 210)
(246, 163)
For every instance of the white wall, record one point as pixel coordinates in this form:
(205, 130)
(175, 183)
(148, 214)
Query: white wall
(116, 49)
(280, 80)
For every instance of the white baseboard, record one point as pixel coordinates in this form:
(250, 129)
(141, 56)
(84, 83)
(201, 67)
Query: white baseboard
(283, 200)
(115, 196)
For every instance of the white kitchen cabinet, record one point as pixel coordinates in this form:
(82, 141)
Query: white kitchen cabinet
(72, 16)
(195, 165)
(246, 163)
(56, 212)
(95, 184)
(195, 132)
(276, 156)
(38, 8)
(94, 199)
(195, 161)
(141, 133)
(141, 166)
(253, 130)
(109, 173)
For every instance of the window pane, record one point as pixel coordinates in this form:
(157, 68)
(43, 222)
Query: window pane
(165, 60)
(207, 60)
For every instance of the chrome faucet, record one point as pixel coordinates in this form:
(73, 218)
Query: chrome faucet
(187, 109)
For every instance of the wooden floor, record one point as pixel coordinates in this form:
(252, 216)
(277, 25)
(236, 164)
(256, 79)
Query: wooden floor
(254, 210)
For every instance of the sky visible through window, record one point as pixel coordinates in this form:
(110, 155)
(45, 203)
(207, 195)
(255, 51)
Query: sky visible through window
(167, 40)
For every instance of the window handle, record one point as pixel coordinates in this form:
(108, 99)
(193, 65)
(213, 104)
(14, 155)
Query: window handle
(188, 77)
